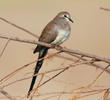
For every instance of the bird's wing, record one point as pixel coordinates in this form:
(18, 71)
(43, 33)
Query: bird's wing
(49, 33)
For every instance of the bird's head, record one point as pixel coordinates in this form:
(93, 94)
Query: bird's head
(65, 15)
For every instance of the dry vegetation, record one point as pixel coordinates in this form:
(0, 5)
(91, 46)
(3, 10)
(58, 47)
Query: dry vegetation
(77, 58)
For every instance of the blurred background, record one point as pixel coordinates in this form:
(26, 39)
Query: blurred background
(90, 33)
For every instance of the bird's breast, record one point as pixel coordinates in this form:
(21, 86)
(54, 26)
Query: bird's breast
(61, 36)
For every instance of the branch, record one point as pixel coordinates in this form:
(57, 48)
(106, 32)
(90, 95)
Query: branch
(79, 59)
(73, 91)
(84, 54)
(98, 76)
(19, 27)
(59, 69)
(4, 47)
(106, 9)
(107, 60)
(91, 63)
(24, 66)
(63, 70)
(24, 40)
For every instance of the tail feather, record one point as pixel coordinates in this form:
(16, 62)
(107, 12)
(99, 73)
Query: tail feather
(38, 48)
(42, 53)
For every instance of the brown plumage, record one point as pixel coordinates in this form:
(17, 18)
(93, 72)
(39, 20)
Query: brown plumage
(55, 32)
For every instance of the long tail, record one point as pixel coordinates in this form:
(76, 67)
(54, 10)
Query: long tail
(42, 53)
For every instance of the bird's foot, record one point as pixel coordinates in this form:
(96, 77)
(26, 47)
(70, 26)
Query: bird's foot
(57, 47)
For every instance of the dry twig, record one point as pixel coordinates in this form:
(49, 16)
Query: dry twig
(19, 27)
(106, 9)
(76, 53)
(84, 54)
(4, 47)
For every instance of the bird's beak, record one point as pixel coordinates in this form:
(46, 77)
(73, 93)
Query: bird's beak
(70, 20)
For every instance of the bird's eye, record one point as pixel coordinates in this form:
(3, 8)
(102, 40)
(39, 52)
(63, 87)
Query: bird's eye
(65, 16)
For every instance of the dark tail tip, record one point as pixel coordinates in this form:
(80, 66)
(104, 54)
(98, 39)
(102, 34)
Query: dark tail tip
(28, 94)
(35, 51)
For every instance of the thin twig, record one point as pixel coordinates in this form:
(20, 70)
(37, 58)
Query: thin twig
(62, 69)
(80, 97)
(23, 40)
(19, 80)
(14, 72)
(36, 87)
(69, 66)
(106, 9)
(76, 53)
(106, 95)
(93, 91)
(87, 92)
(53, 77)
(19, 27)
(24, 66)
(91, 63)
(4, 47)
(98, 76)
(84, 54)
(50, 97)
(71, 92)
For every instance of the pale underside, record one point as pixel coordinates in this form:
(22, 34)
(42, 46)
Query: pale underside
(61, 37)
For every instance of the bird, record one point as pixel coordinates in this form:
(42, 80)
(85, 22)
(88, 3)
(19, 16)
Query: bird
(55, 32)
